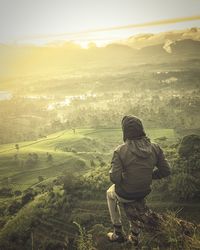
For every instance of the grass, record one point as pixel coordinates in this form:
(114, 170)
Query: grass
(85, 144)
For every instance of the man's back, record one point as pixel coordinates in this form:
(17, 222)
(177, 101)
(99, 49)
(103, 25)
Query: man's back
(132, 167)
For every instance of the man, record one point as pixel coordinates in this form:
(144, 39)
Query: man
(132, 171)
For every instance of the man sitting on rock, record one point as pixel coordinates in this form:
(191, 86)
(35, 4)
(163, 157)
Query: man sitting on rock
(132, 171)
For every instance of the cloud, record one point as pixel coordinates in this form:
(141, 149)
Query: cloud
(76, 35)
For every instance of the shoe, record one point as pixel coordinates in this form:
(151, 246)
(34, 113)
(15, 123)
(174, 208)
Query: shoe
(116, 237)
(133, 239)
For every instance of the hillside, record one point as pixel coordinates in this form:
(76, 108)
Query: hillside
(47, 222)
(67, 149)
(61, 179)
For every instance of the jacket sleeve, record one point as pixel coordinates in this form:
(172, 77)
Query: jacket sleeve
(116, 169)
(163, 168)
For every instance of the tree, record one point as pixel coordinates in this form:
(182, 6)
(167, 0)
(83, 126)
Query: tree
(40, 178)
(49, 157)
(29, 195)
(17, 147)
(185, 184)
(190, 144)
(32, 160)
(92, 163)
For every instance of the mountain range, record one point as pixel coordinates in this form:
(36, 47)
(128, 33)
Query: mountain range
(144, 48)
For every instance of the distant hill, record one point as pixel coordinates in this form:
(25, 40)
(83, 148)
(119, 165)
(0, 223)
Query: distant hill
(187, 46)
(144, 40)
(21, 60)
(184, 48)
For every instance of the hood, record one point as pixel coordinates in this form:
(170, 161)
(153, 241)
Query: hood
(132, 128)
(141, 147)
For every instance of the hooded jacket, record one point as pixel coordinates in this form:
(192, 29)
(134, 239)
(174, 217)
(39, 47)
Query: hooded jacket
(133, 162)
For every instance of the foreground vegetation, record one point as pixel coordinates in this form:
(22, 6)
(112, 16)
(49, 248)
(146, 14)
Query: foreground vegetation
(62, 179)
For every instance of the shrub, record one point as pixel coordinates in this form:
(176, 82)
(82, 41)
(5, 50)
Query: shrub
(27, 197)
(40, 178)
(189, 145)
(84, 240)
(6, 192)
(14, 207)
(32, 160)
(17, 193)
(184, 186)
(92, 163)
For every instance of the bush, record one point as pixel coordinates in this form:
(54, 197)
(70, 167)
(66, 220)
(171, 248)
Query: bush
(184, 186)
(14, 207)
(32, 160)
(84, 241)
(40, 178)
(6, 192)
(27, 197)
(92, 163)
(71, 183)
(17, 193)
(189, 145)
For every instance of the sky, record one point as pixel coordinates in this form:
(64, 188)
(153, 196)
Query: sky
(41, 21)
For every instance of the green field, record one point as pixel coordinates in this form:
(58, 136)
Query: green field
(69, 150)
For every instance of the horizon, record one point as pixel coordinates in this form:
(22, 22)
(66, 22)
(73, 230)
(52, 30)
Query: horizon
(85, 44)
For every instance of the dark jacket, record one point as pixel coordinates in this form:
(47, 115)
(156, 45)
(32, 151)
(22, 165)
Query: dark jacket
(132, 167)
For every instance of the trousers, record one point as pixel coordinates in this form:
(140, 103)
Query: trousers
(135, 210)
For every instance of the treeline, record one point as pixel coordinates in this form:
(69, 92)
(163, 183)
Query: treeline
(160, 99)
(163, 110)
(23, 119)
